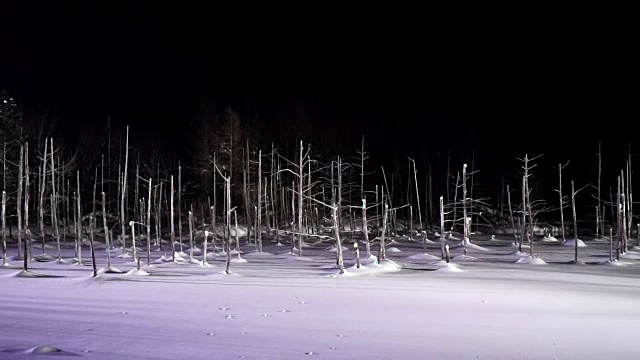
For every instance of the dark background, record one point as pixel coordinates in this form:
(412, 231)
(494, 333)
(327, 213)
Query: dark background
(496, 97)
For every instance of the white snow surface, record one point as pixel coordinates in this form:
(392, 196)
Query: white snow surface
(278, 307)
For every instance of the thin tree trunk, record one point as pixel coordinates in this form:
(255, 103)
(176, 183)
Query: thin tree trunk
(334, 213)
(382, 252)
(599, 186)
(274, 196)
(513, 224)
(245, 190)
(300, 181)
(259, 219)
(415, 178)
(93, 250)
(123, 213)
(191, 234)
(180, 206)
(173, 233)
(575, 223)
(228, 225)
(523, 224)
(27, 231)
(106, 229)
(365, 229)
(237, 237)
(455, 203)
(464, 209)
(442, 241)
(5, 261)
(79, 212)
(43, 182)
(149, 225)
(54, 204)
(19, 200)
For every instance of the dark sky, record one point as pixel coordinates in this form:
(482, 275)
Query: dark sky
(146, 66)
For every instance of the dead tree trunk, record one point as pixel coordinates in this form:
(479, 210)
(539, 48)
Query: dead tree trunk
(466, 234)
(149, 225)
(245, 190)
(300, 182)
(415, 178)
(237, 237)
(191, 234)
(455, 203)
(106, 229)
(19, 200)
(259, 227)
(180, 207)
(561, 202)
(54, 204)
(79, 212)
(173, 233)
(575, 223)
(123, 213)
(599, 208)
(93, 250)
(442, 241)
(382, 252)
(334, 215)
(228, 224)
(5, 261)
(365, 229)
(513, 224)
(523, 223)
(43, 177)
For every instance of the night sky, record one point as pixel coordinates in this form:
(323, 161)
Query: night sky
(152, 67)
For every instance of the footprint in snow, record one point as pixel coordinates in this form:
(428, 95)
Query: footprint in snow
(210, 334)
(265, 315)
(340, 335)
(229, 316)
(311, 353)
(284, 311)
(123, 313)
(224, 308)
(302, 302)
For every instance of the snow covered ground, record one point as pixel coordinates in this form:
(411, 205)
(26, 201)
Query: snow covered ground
(278, 306)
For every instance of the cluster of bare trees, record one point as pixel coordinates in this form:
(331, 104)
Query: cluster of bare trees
(293, 195)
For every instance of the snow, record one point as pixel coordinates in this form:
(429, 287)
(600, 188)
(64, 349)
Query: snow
(279, 306)
(530, 260)
(571, 242)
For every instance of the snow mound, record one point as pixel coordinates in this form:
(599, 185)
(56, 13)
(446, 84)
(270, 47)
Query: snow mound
(334, 248)
(49, 350)
(44, 258)
(571, 242)
(345, 273)
(449, 267)
(549, 239)
(163, 258)
(238, 260)
(373, 268)
(125, 256)
(258, 254)
(235, 252)
(530, 260)
(464, 258)
(473, 246)
(393, 249)
(616, 263)
(519, 253)
(423, 257)
(136, 272)
(30, 274)
(109, 270)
